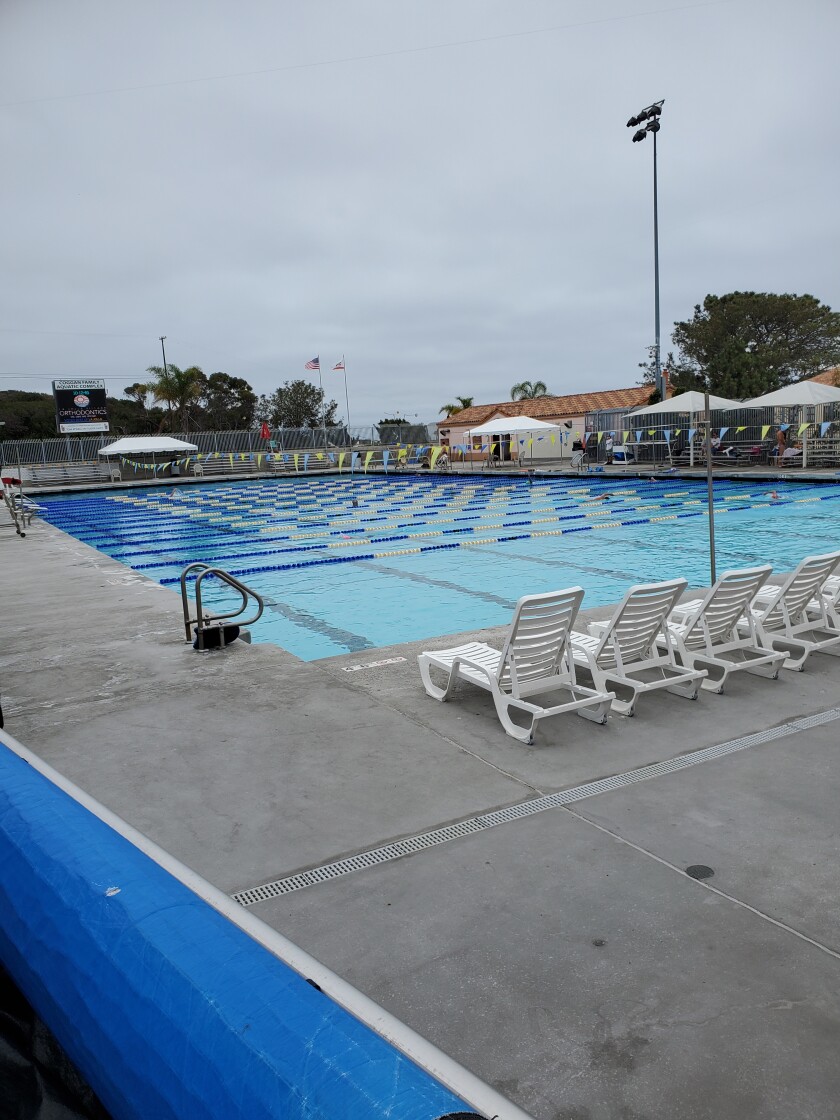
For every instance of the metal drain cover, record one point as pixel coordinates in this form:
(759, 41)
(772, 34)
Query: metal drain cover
(699, 871)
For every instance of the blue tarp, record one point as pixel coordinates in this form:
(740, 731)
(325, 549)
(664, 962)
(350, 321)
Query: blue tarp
(168, 1009)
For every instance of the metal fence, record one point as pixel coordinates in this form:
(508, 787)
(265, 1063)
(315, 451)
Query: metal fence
(749, 434)
(80, 449)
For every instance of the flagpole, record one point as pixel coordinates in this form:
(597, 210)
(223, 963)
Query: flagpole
(347, 402)
(323, 409)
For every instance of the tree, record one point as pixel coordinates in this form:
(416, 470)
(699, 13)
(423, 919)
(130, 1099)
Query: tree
(27, 415)
(132, 418)
(681, 378)
(179, 389)
(528, 390)
(463, 402)
(744, 344)
(296, 404)
(228, 402)
(138, 392)
(397, 429)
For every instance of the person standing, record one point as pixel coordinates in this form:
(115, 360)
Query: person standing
(608, 447)
(781, 445)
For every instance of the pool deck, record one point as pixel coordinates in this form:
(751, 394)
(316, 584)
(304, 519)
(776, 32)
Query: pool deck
(564, 956)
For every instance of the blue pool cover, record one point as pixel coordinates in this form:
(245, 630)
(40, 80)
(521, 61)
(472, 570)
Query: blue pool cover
(168, 1009)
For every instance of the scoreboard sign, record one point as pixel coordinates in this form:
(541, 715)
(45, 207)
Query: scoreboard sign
(80, 406)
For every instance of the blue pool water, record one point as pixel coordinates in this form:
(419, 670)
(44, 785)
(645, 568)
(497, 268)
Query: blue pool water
(355, 564)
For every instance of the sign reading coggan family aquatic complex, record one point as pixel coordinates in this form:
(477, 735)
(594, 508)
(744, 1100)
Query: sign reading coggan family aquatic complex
(80, 406)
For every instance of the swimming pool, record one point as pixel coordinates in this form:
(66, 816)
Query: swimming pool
(355, 564)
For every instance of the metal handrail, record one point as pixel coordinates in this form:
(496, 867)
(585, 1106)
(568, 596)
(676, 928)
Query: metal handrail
(205, 621)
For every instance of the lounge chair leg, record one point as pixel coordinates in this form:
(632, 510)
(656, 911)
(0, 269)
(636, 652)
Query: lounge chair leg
(522, 734)
(689, 691)
(796, 653)
(597, 714)
(625, 707)
(435, 691)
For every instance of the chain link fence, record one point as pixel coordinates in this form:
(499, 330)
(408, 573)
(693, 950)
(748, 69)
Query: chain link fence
(85, 449)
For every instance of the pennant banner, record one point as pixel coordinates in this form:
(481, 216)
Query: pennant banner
(826, 424)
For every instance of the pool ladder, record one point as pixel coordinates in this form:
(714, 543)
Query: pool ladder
(210, 629)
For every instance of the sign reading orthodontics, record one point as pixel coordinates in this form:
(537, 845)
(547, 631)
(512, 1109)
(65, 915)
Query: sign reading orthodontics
(80, 405)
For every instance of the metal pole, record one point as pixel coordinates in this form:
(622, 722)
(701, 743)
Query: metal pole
(711, 489)
(658, 367)
(347, 402)
(165, 374)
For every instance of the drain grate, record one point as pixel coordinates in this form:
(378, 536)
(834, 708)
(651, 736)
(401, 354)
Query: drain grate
(412, 844)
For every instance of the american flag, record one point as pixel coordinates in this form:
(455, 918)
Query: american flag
(338, 365)
(314, 364)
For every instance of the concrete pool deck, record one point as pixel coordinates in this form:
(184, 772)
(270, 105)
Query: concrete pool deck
(563, 955)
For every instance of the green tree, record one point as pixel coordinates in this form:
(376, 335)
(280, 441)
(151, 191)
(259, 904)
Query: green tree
(132, 418)
(397, 429)
(746, 343)
(179, 389)
(528, 390)
(27, 415)
(296, 404)
(463, 402)
(139, 392)
(681, 377)
(228, 402)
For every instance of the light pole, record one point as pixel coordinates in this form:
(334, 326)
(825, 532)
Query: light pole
(651, 115)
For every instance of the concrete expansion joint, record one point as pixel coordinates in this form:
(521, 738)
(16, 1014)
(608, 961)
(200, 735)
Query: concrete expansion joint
(410, 845)
(707, 886)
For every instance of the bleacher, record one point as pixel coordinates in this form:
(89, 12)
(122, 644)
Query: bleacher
(52, 474)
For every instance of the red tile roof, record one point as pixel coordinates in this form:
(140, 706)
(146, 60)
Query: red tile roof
(551, 408)
(828, 376)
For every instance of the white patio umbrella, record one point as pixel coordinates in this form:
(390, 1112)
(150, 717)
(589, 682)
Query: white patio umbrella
(690, 403)
(791, 396)
(685, 402)
(799, 395)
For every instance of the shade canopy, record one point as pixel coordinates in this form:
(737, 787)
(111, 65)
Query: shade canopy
(685, 402)
(146, 445)
(802, 393)
(507, 425)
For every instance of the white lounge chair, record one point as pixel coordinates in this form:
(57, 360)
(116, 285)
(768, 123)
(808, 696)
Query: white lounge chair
(707, 636)
(623, 653)
(534, 660)
(795, 617)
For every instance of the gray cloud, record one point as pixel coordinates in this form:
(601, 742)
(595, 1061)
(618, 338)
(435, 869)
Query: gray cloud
(452, 220)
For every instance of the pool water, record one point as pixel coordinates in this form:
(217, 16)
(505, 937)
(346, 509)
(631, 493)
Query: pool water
(352, 564)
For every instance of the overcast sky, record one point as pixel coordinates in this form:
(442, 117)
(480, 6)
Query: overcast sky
(444, 191)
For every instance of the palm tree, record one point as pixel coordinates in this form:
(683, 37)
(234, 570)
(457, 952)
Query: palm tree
(178, 388)
(528, 390)
(463, 402)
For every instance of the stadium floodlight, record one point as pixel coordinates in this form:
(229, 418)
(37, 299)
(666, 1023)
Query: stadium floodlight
(652, 114)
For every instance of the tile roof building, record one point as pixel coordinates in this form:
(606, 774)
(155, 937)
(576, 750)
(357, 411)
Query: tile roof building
(568, 411)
